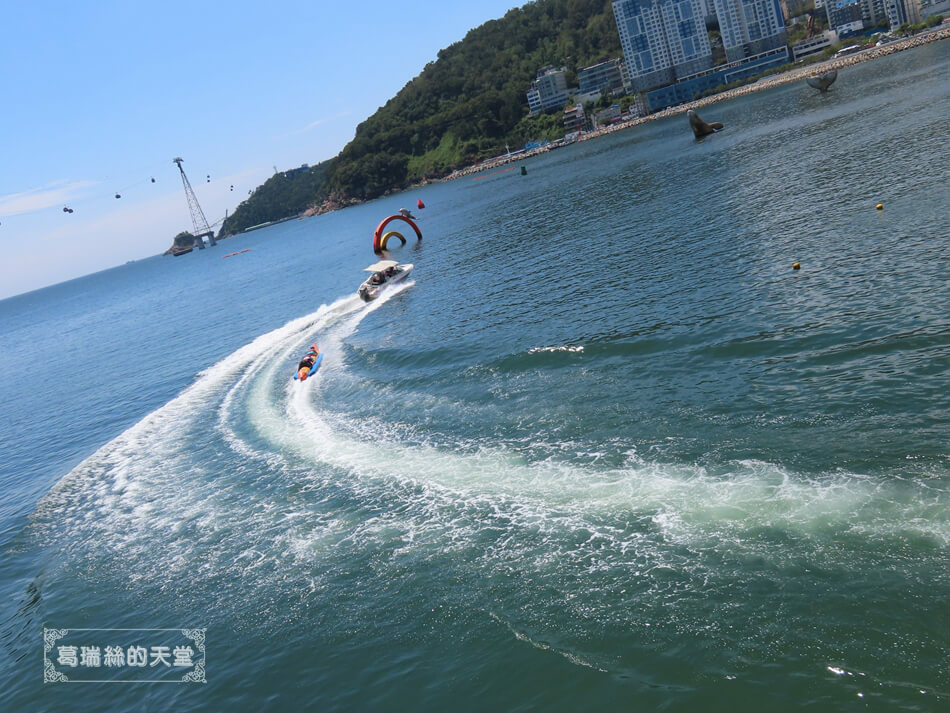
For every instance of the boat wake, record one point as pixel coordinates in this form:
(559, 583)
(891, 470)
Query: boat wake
(250, 488)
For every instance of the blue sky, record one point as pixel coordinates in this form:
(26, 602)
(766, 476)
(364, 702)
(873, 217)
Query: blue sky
(98, 98)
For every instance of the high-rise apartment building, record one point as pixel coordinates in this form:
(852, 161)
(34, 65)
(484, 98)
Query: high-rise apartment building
(896, 13)
(667, 51)
(662, 40)
(912, 7)
(750, 27)
(873, 12)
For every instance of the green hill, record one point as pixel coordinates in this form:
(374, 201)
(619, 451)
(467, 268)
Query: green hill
(284, 194)
(465, 105)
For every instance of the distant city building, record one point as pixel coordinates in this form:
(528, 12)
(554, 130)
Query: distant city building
(850, 29)
(750, 27)
(625, 75)
(873, 12)
(814, 45)
(640, 106)
(534, 101)
(914, 15)
(584, 97)
(843, 12)
(574, 118)
(896, 13)
(691, 87)
(929, 8)
(667, 52)
(662, 40)
(548, 90)
(607, 116)
(603, 77)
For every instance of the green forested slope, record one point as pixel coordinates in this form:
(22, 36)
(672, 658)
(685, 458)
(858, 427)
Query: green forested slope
(465, 105)
(283, 194)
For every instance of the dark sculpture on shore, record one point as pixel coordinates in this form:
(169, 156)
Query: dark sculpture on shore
(822, 81)
(701, 128)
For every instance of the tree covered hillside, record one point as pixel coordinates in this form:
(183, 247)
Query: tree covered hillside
(472, 98)
(284, 194)
(465, 105)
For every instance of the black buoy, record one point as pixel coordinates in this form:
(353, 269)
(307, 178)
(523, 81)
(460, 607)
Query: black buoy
(524, 171)
(117, 195)
(153, 180)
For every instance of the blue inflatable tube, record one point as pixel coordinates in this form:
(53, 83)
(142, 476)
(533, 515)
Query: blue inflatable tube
(313, 369)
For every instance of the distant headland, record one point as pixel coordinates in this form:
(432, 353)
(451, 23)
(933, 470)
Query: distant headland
(452, 119)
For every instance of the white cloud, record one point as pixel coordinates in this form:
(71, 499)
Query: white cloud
(52, 194)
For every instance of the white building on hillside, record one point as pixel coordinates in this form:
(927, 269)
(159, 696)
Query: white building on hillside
(549, 90)
(603, 77)
(814, 45)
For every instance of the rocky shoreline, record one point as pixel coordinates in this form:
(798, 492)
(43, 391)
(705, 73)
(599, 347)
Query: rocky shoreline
(794, 75)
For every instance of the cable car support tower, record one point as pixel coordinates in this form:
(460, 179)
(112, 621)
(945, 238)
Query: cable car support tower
(202, 230)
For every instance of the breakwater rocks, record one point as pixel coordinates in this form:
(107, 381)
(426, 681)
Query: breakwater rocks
(332, 203)
(798, 74)
(801, 73)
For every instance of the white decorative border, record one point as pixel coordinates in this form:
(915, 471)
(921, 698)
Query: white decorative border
(198, 674)
(52, 675)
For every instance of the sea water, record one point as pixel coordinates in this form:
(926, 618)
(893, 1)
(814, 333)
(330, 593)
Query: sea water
(605, 450)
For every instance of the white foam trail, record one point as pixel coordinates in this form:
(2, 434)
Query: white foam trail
(684, 501)
(268, 416)
(146, 480)
(541, 350)
(165, 475)
(265, 370)
(145, 436)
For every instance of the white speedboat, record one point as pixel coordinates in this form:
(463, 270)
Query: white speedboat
(385, 273)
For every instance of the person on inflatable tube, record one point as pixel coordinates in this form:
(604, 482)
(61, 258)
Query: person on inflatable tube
(303, 368)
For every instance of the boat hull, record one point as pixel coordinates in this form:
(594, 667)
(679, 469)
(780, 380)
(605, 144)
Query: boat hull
(369, 292)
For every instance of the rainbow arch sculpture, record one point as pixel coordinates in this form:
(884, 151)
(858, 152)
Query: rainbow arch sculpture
(381, 239)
